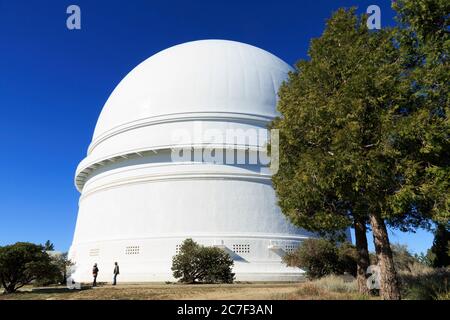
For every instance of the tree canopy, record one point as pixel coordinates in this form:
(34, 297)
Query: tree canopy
(22, 263)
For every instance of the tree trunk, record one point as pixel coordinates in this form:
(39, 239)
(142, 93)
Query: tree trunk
(389, 287)
(363, 260)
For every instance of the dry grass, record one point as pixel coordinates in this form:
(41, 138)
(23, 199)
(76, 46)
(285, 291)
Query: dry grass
(238, 291)
(160, 292)
(419, 282)
(327, 288)
(339, 284)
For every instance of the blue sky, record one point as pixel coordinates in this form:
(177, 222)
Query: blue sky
(54, 82)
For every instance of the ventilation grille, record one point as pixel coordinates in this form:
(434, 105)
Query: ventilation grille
(132, 250)
(94, 252)
(290, 248)
(241, 248)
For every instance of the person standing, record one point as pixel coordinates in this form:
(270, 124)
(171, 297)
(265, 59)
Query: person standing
(116, 272)
(94, 274)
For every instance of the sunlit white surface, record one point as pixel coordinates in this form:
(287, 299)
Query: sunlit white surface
(137, 204)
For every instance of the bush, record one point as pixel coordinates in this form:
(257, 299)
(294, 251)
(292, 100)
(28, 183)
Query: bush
(321, 257)
(196, 263)
(318, 257)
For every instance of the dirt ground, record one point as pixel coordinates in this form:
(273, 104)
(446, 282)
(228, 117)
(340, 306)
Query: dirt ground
(160, 291)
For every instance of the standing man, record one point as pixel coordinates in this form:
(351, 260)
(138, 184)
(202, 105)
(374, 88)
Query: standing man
(94, 274)
(116, 272)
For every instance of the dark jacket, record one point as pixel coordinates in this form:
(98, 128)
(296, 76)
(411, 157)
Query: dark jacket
(116, 269)
(94, 271)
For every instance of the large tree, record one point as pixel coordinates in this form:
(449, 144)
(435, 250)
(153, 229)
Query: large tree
(345, 159)
(22, 263)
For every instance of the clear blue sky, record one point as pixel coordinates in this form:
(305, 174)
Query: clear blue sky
(54, 82)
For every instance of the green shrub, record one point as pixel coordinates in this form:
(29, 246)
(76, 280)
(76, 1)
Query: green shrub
(321, 257)
(318, 257)
(196, 263)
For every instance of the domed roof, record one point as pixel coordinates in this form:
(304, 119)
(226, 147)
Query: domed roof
(207, 76)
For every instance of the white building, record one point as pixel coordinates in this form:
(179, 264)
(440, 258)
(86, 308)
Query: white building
(139, 202)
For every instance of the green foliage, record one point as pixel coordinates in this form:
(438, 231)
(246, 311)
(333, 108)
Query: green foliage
(321, 257)
(22, 263)
(424, 41)
(61, 262)
(49, 246)
(348, 134)
(335, 163)
(196, 263)
(441, 246)
(318, 257)
(439, 254)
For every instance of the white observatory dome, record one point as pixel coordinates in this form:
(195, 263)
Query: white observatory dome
(138, 203)
(200, 76)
